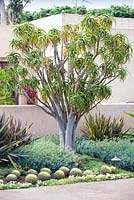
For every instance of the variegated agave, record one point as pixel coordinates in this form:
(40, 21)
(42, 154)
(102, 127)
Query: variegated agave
(100, 127)
(12, 135)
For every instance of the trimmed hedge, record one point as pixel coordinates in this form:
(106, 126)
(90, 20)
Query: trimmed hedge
(107, 149)
(44, 153)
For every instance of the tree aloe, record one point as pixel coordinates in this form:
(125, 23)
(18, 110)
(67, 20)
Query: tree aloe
(74, 77)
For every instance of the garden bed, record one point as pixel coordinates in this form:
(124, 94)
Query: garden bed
(45, 152)
(87, 163)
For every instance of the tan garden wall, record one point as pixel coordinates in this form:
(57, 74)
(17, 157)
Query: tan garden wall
(44, 124)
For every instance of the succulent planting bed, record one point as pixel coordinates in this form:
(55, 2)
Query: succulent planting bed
(63, 175)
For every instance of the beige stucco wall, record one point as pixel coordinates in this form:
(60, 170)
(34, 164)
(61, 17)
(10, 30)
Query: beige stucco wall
(123, 91)
(43, 124)
(6, 35)
(54, 21)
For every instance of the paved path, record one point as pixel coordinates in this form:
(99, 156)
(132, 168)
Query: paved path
(106, 190)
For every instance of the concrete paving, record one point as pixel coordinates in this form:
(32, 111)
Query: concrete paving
(106, 190)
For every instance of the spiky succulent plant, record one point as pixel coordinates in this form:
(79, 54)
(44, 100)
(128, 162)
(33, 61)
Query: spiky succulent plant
(76, 172)
(31, 178)
(43, 176)
(105, 170)
(32, 171)
(59, 174)
(11, 177)
(12, 135)
(16, 172)
(65, 170)
(45, 169)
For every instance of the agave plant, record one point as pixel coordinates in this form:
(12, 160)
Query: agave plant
(131, 133)
(12, 135)
(99, 127)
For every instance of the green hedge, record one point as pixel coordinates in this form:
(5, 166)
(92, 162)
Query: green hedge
(107, 149)
(44, 152)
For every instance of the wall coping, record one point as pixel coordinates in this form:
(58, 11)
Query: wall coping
(102, 104)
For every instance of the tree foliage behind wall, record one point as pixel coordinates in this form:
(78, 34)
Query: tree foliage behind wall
(116, 11)
(27, 16)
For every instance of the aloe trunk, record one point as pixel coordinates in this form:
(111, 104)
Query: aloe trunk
(67, 129)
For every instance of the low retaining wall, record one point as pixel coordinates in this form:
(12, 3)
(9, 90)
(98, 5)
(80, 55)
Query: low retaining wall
(43, 124)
